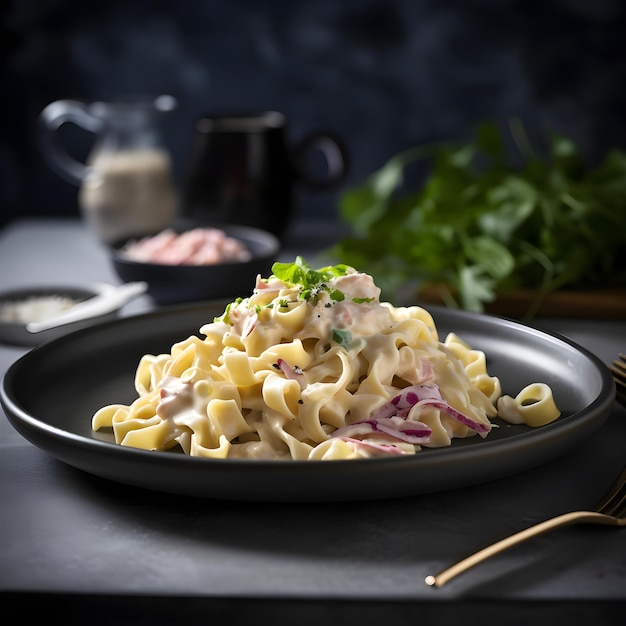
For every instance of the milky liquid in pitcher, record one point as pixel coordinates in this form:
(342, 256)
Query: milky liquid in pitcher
(128, 193)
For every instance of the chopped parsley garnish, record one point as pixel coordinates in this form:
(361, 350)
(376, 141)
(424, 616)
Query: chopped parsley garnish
(225, 317)
(311, 283)
(342, 337)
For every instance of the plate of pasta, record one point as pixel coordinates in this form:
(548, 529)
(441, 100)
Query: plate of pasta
(308, 389)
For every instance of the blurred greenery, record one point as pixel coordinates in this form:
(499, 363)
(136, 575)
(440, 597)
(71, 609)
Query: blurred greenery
(479, 226)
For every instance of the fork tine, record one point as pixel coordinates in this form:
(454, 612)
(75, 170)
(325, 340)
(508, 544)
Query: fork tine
(615, 498)
(618, 369)
(620, 364)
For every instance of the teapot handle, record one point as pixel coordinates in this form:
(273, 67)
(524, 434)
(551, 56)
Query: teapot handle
(335, 155)
(50, 120)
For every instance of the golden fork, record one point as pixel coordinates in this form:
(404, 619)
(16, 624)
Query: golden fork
(618, 369)
(611, 510)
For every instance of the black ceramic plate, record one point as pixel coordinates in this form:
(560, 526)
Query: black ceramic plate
(75, 375)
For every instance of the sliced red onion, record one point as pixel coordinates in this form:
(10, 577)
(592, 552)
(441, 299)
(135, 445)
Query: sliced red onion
(397, 428)
(425, 395)
(405, 430)
(442, 405)
(377, 448)
(402, 403)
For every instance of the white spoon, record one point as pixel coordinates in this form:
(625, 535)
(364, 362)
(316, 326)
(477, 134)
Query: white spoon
(110, 299)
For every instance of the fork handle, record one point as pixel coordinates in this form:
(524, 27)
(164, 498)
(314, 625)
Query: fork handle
(576, 517)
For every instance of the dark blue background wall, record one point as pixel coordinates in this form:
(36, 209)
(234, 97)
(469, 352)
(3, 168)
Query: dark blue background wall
(384, 74)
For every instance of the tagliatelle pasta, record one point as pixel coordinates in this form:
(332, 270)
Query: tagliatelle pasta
(312, 366)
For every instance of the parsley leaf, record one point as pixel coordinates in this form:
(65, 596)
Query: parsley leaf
(342, 337)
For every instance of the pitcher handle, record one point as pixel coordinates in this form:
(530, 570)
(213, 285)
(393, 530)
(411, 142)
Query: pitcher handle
(335, 154)
(50, 120)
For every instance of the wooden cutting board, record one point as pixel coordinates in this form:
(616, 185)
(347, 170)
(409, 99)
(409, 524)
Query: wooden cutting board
(607, 303)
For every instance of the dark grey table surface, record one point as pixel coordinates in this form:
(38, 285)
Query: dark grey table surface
(91, 551)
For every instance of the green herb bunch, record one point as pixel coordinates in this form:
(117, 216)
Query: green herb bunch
(479, 226)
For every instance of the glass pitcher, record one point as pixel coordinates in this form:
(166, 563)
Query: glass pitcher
(126, 188)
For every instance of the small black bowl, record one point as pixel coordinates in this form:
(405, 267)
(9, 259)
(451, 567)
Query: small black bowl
(173, 284)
